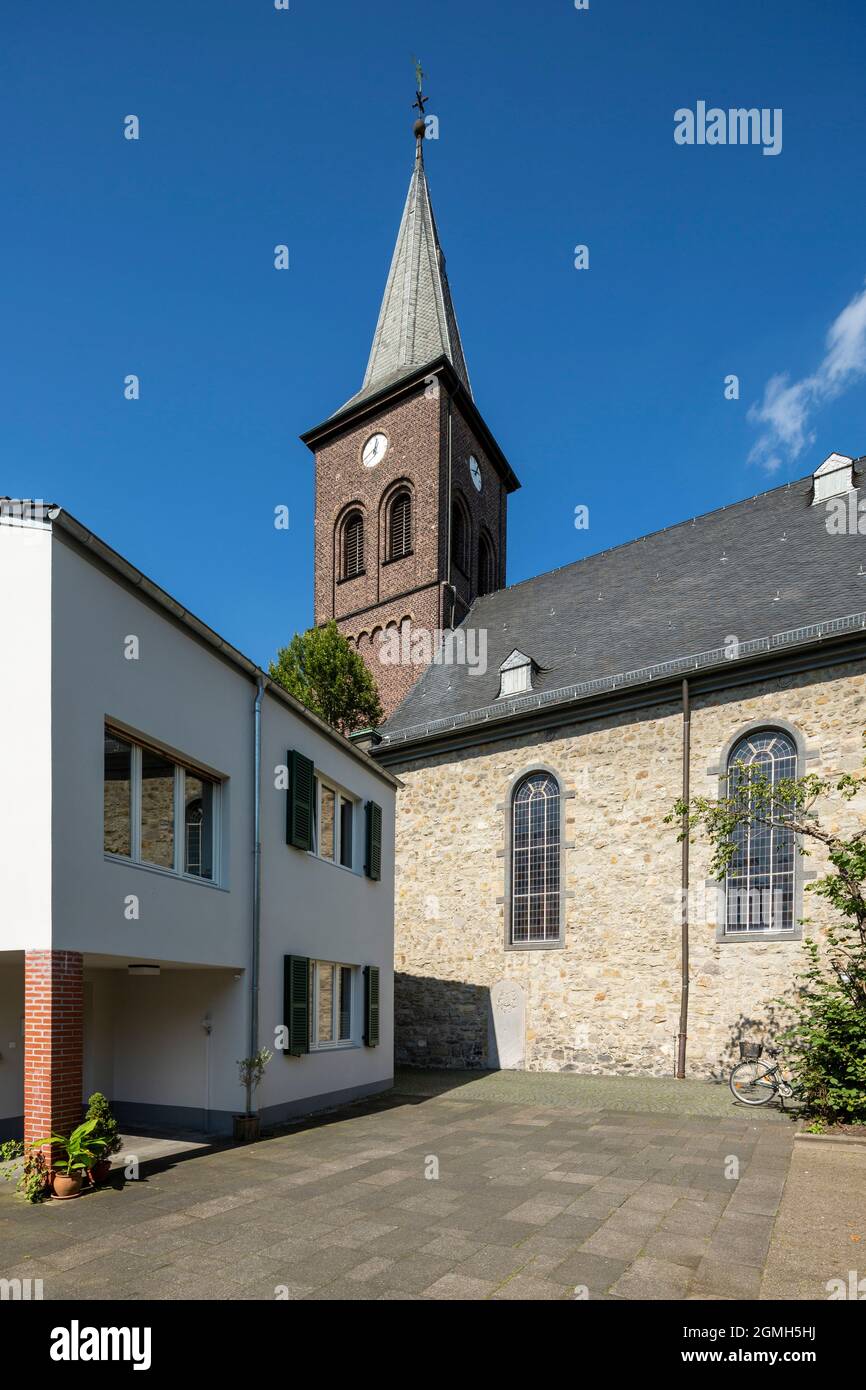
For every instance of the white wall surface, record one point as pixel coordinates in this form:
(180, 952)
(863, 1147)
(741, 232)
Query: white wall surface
(25, 722)
(182, 696)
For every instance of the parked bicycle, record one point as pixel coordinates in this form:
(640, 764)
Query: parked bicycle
(756, 1082)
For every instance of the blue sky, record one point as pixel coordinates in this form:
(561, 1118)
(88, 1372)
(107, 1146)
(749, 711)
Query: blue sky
(605, 387)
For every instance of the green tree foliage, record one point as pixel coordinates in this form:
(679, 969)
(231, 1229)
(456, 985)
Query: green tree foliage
(326, 674)
(825, 1036)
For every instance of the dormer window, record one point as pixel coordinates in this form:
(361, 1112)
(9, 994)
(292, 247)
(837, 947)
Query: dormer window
(834, 477)
(515, 675)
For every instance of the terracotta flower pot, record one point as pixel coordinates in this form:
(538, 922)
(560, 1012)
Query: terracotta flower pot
(246, 1128)
(98, 1174)
(66, 1185)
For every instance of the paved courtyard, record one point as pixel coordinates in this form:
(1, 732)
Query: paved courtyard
(502, 1186)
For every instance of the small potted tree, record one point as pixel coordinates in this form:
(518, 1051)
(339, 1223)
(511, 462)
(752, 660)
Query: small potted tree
(107, 1130)
(251, 1071)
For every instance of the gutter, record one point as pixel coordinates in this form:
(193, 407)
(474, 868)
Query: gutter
(684, 891)
(255, 953)
(814, 644)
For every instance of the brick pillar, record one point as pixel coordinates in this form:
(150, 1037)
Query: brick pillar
(53, 1042)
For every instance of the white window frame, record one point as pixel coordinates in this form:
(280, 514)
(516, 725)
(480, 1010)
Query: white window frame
(178, 867)
(337, 1044)
(340, 795)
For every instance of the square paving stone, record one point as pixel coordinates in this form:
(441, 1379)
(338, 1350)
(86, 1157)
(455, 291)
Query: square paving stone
(649, 1278)
(597, 1272)
(727, 1279)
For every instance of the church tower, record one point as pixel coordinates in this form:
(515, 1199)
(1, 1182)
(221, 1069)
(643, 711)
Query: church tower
(411, 486)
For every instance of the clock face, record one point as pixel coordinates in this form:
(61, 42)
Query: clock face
(475, 471)
(374, 450)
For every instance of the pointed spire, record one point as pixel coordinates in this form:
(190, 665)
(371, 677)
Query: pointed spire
(417, 323)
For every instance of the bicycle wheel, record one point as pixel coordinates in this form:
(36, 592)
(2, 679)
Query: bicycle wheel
(754, 1083)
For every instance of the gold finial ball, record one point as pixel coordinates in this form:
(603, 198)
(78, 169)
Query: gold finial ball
(420, 129)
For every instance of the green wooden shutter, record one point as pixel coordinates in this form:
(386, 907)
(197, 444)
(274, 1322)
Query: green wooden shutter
(300, 810)
(296, 1004)
(371, 1005)
(373, 865)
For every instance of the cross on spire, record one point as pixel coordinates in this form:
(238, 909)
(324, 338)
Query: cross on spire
(420, 100)
(418, 105)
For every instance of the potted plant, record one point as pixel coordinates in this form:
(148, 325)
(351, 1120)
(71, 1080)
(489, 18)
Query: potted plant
(107, 1130)
(251, 1069)
(78, 1152)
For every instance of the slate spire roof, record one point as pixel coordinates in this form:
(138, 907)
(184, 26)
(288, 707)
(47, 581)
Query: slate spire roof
(417, 323)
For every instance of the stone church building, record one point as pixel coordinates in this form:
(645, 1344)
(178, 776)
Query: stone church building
(539, 893)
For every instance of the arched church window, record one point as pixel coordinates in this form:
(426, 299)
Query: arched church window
(353, 545)
(759, 885)
(486, 565)
(535, 860)
(400, 526)
(459, 536)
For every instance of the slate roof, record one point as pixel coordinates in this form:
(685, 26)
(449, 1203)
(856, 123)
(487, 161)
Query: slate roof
(417, 323)
(751, 570)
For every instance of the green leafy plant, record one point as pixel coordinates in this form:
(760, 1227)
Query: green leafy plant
(106, 1128)
(32, 1182)
(825, 1036)
(78, 1150)
(322, 670)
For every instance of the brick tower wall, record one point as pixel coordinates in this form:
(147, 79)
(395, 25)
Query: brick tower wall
(411, 590)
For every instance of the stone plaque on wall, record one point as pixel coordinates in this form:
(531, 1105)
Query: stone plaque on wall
(507, 1026)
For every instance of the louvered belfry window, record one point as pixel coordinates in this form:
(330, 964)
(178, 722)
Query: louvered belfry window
(353, 546)
(759, 886)
(486, 567)
(400, 528)
(535, 860)
(459, 537)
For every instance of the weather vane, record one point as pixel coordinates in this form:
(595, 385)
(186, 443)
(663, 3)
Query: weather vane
(418, 105)
(420, 100)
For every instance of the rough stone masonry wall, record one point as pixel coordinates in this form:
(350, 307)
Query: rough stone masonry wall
(608, 1001)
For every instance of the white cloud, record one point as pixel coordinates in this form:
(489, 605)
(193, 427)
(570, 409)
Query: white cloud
(786, 409)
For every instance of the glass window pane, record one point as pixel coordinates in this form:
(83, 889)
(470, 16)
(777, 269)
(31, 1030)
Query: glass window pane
(760, 880)
(326, 829)
(117, 791)
(157, 809)
(345, 1003)
(346, 809)
(535, 860)
(198, 826)
(325, 1003)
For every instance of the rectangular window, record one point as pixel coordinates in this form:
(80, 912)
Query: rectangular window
(346, 831)
(334, 828)
(157, 809)
(327, 825)
(198, 821)
(117, 796)
(331, 1004)
(345, 1014)
(158, 812)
